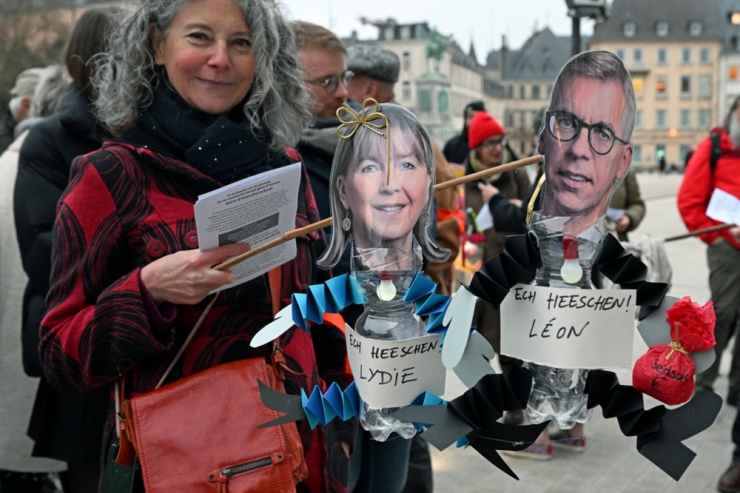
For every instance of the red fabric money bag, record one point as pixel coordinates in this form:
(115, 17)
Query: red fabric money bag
(666, 372)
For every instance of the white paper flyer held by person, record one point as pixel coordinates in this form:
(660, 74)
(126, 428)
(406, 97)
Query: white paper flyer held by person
(254, 210)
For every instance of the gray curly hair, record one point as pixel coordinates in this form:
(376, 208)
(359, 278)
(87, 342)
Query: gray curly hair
(127, 72)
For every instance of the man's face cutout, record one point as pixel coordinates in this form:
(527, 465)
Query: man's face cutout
(583, 165)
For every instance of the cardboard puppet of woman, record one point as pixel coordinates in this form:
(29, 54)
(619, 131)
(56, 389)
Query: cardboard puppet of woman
(382, 185)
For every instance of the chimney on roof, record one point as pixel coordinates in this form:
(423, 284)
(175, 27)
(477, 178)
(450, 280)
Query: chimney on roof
(502, 56)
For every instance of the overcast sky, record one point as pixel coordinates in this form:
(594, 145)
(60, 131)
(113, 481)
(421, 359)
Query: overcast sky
(483, 21)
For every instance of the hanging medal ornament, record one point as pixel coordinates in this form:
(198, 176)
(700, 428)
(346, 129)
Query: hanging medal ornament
(571, 270)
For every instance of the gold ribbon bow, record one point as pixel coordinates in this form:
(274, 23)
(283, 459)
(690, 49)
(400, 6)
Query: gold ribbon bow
(365, 118)
(676, 346)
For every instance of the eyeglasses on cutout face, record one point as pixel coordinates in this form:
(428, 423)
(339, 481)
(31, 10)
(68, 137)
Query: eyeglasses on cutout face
(331, 83)
(565, 126)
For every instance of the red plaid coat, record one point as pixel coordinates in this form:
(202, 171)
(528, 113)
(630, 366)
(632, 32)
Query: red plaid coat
(127, 206)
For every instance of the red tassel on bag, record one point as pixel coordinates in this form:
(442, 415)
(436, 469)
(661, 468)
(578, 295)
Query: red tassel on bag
(666, 372)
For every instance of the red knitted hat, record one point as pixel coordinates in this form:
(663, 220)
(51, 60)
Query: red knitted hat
(482, 127)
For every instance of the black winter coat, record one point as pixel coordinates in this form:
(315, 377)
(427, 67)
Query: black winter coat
(67, 428)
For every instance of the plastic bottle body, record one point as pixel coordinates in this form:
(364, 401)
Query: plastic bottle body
(559, 393)
(378, 421)
(388, 319)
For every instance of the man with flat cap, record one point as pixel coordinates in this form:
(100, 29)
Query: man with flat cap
(376, 72)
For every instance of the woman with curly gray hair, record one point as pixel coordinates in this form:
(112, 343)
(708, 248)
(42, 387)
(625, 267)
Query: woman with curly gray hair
(200, 94)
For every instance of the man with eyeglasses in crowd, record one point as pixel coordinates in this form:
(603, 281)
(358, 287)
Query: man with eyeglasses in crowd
(323, 61)
(487, 141)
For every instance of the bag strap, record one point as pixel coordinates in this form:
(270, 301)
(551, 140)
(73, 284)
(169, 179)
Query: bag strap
(187, 341)
(275, 283)
(276, 288)
(716, 152)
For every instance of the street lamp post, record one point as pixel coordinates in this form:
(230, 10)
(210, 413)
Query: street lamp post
(594, 9)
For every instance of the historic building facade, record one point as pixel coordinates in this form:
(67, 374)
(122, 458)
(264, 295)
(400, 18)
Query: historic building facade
(673, 55)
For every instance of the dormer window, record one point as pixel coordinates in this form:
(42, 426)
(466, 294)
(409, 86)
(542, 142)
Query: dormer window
(661, 28)
(629, 29)
(695, 28)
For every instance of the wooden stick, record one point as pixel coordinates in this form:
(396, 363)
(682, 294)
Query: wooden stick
(296, 233)
(488, 172)
(718, 227)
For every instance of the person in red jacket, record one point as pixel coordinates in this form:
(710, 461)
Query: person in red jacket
(723, 251)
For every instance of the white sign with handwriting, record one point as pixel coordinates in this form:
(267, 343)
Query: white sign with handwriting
(394, 373)
(568, 328)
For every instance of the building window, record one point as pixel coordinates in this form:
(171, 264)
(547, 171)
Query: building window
(509, 119)
(705, 86)
(620, 53)
(705, 55)
(629, 29)
(703, 122)
(522, 118)
(637, 154)
(425, 101)
(661, 88)
(686, 55)
(685, 118)
(637, 55)
(406, 61)
(522, 92)
(443, 102)
(406, 94)
(535, 91)
(662, 55)
(683, 151)
(660, 120)
(661, 28)
(638, 119)
(549, 90)
(637, 83)
(685, 86)
(695, 28)
(659, 151)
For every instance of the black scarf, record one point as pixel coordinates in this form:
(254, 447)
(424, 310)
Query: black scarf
(224, 148)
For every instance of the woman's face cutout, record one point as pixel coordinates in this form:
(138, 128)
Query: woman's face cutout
(385, 207)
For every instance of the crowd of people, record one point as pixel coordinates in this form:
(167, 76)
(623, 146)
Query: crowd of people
(102, 275)
(100, 271)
